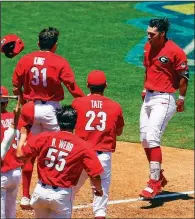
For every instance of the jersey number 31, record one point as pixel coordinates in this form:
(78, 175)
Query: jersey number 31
(37, 76)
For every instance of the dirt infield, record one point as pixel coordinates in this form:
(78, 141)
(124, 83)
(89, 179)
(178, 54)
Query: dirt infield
(129, 176)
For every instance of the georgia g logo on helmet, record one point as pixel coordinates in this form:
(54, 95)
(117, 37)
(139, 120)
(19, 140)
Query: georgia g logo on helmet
(163, 59)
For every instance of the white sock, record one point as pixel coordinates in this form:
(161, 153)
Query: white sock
(155, 168)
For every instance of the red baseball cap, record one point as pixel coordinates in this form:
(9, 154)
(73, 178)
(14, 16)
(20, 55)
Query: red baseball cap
(11, 45)
(4, 91)
(96, 77)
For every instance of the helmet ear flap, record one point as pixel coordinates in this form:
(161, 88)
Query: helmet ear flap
(19, 46)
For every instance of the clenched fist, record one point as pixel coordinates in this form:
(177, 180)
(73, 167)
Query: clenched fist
(97, 192)
(180, 105)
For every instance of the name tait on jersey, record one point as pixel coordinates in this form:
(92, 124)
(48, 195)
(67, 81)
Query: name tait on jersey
(97, 104)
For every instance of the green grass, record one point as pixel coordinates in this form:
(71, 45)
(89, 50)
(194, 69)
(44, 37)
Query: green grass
(94, 35)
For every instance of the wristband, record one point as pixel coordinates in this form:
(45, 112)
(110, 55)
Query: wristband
(93, 187)
(98, 190)
(181, 97)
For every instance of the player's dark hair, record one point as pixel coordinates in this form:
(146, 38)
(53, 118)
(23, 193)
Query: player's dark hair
(47, 38)
(97, 88)
(8, 49)
(66, 117)
(162, 24)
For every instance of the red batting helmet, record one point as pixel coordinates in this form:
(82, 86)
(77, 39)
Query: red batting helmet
(11, 45)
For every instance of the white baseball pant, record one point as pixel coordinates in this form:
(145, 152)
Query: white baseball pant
(44, 117)
(157, 109)
(48, 202)
(10, 181)
(99, 203)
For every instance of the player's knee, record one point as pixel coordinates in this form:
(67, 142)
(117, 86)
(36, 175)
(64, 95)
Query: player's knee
(153, 139)
(143, 139)
(145, 143)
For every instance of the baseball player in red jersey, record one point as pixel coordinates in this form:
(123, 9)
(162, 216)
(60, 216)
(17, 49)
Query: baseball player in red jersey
(100, 120)
(40, 75)
(10, 165)
(26, 121)
(166, 72)
(61, 158)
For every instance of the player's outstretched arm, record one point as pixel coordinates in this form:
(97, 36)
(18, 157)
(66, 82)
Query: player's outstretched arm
(120, 123)
(6, 143)
(119, 131)
(183, 85)
(16, 111)
(19, 93)
(75, 90)
(96, 185)
(68, 79)
(93, 168)
(22, 141)
(10, 133)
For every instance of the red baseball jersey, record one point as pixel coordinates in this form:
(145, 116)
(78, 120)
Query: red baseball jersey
(10, 161)
(61, 158)
(40, 74)
(164, 66)
(98, 120)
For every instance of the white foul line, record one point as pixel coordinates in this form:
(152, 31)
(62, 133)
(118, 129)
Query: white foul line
(136, 199)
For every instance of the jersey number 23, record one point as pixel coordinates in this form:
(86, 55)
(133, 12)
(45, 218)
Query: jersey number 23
(102, 116)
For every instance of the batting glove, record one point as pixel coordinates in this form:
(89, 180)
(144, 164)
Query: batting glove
(97, 192)
(180, 104)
